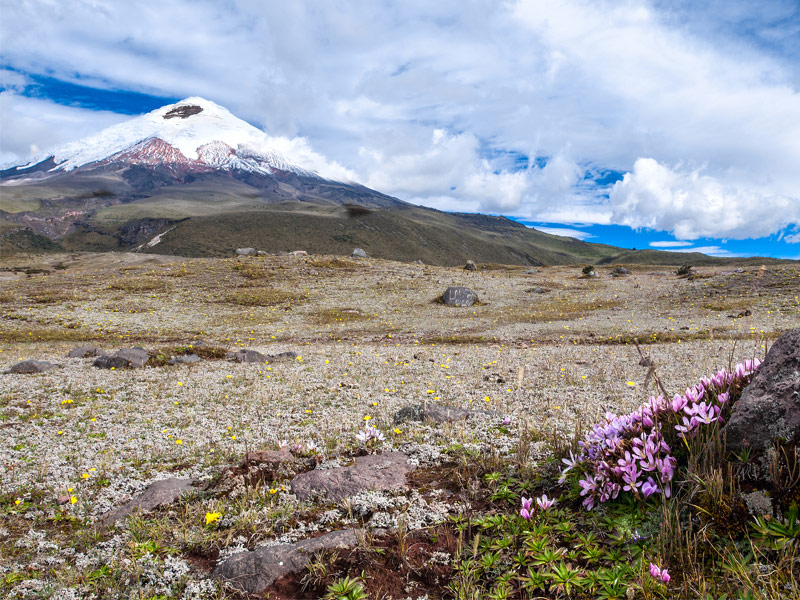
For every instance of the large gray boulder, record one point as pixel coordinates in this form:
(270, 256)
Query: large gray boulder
(254, 571)
(246, 251)
(385, 471)
(470, 266)
(359, 253)
(459, 296)
(769, 407)
(126, 358)
(154, 495)
(31, 367)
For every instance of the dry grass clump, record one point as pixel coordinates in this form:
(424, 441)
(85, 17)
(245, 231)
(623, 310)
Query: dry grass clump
(252, 271)
(51, 296)
(335, 263)
(43, 334)
(263, 296)
(329, 316)
(557, 309)
(137, 285)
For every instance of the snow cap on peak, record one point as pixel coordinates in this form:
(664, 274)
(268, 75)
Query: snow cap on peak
(186, 125)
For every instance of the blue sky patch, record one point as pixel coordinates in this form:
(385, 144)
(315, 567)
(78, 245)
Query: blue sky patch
(124, 102)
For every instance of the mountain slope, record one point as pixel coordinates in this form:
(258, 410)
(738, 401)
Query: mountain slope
(192, 179)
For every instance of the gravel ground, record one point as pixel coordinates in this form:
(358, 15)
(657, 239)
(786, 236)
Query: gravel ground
(371, 339)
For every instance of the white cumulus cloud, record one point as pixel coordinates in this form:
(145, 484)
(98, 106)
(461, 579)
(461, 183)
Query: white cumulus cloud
(692, 205)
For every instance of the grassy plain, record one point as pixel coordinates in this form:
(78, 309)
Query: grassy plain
(371, 338)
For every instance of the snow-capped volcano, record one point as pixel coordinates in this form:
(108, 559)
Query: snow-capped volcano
(193, 135)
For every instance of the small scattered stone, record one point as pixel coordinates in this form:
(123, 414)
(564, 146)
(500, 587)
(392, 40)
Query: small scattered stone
(359, 253)
(530, 271)
(126, 358)
(161, 492)
(621, 271)
(31, 367)
(245, 251)
(538, 290)
(254, 571)
(385, 471)
(84, 351)
(436, 413)
(470, 266)
(184, 359)
(459, 296)
(298, 253)
(247, 356)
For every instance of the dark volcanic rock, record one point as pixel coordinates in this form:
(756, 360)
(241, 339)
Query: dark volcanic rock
(538, 290)
(769, 407)
(621, 271)
(254, 571)
(161, 492)
(84, 351)
(436, 413)
(184, 111)
(127, 358)
(459, 296)
(470, 266)
(31, 367)
(385, 471)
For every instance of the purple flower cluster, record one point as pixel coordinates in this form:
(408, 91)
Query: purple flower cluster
(542, 503)
(629, 453)
(660, 574)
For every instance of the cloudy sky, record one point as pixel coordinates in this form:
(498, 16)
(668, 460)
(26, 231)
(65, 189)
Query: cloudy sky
(641, 123)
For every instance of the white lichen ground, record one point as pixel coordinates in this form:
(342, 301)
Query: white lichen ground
(371, 341)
